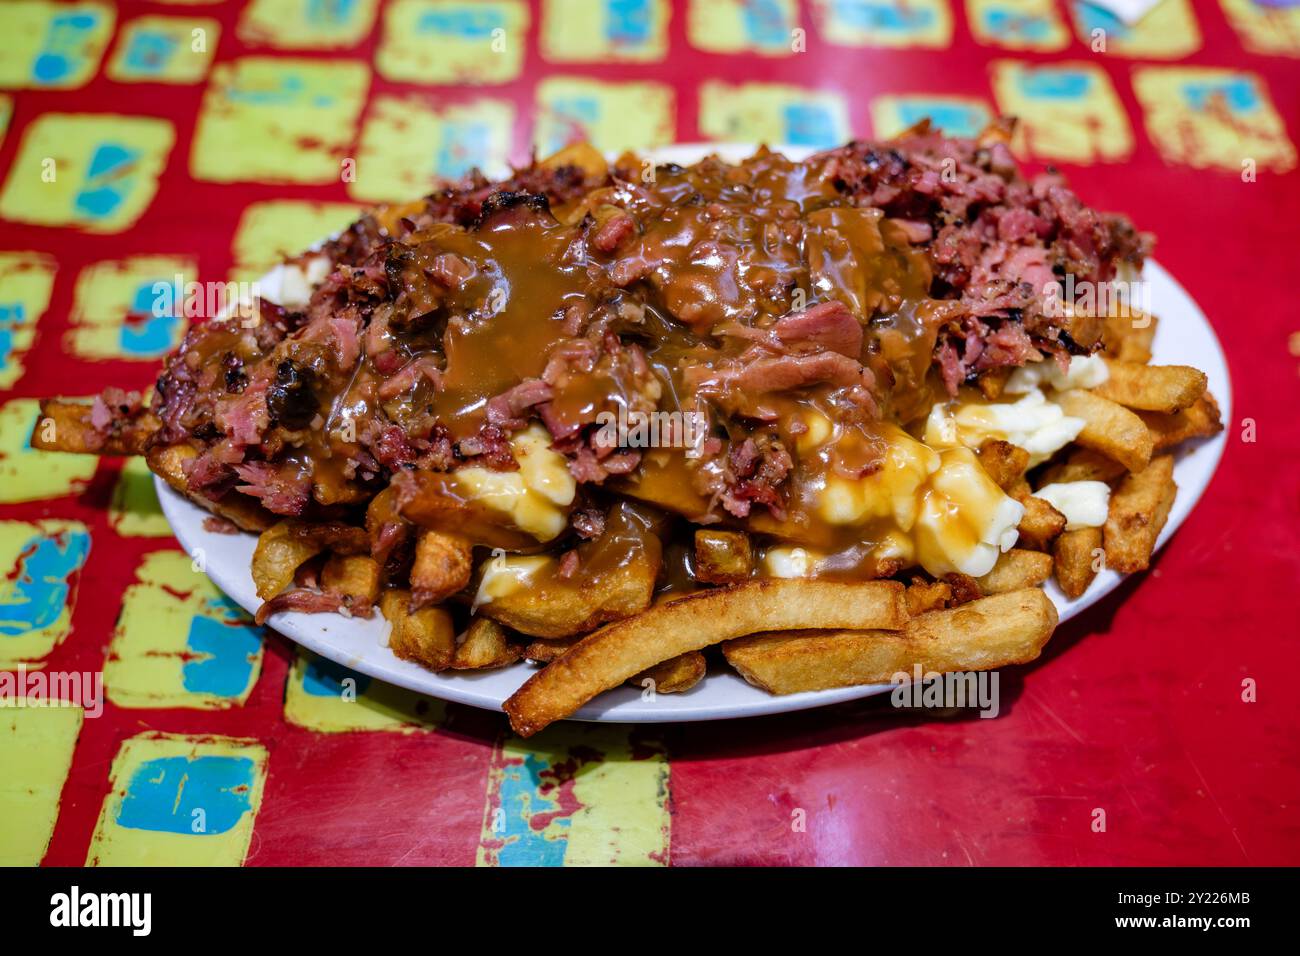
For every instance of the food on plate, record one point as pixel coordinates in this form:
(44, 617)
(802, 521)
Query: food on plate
(602, 415)
(1009, 628)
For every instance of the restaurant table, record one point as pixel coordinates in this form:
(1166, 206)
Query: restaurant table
(183, 141)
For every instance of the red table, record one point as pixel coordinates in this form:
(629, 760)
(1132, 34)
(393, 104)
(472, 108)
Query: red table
(1137, 708)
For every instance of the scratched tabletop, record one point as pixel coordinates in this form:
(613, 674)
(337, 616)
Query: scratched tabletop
(180, 140)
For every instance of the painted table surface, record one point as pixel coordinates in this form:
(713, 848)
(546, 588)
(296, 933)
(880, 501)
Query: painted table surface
(202, 139)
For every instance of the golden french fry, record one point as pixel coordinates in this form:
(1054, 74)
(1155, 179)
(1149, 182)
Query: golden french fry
(1110, 429)
(1128, 336)
(424, 635)
(1017, 569)
(1008, 628)
(352, 576)
(486, 644)
(582, 156)
(1004, 462)
(1200, 420)
(245, 512)
(442, 567)
(64, 425)
(1082, 464)
(722, 557)
(1138, 511)
(546, 649)
(619, 651)
(922, 596)
(1152, 388)
(673, 676)
(1074, 555)
(552, 607)
(282, 548)
(1040, 523)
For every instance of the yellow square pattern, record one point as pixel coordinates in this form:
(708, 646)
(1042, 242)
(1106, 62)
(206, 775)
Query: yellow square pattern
(40, 568)
(306, 24)
(603, 31)
(95, 171)
(409, 143)
(53, 45)
(30, 475)
(1168, 32)
(453, 42)
(773, 113)
(1017, 24)
(26, 280)
(1068, 111)
(331, 699)
(885, 23)
(126, 309)
(612, 116)
(278, 120)
(1272, 31)
(765, 27)
(269, 232)
(164, 50)
(1212, 118)
(36, 745)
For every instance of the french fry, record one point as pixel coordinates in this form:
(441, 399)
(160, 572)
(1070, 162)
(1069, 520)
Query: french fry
(1128, 336)
(442, 567)
(922, 596)
(1082, 464)
(486, 644)
(673, 676)
(1073, 554)
(619, 651)
(424, 635)
(722, 557)
(1200, 420)
(65, 426)
(1008, 628)
(1152, 388)
(352, 576)
(1138, 511)
(1017, 569)
(1004, 462)
(1040, 523)
(246, 513)
(553, 607)
(287, 544)
(546, 649)
(1110, 429)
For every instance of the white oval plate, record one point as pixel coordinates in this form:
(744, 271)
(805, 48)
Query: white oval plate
(1183, 337)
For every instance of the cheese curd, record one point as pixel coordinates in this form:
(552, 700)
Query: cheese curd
(1086, 371)
(1084, 503)
(537, 496)
(504, 574)
(790, 562)
(298, 280)
(937, 507)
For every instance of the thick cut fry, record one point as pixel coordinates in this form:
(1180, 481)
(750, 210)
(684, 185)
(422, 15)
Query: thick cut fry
(286, 545)
(1004, 462)
(553, 607)
(722, 557)
(1152, 388)
(1128, 336)
(994, 631)
(425, 635)
(1015, 570)
(354, 577)
(1082, 464)
(1110, 429)
(615, 653)
(922, 596)
(1138, 510)
(1040, 523)
(1201, 420)
(1074, 554)
(546, 649)
(65, 426)
(673, 676)
(486, 644)
(442, 567)
(245, 512)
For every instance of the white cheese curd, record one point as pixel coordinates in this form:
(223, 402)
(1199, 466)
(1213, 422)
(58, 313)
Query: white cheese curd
(1084, 503)
(536, 496)
(504, 574)
(298, 280)
(1033, 423)
(1086, 371)
(965, 520)
(789, 562)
